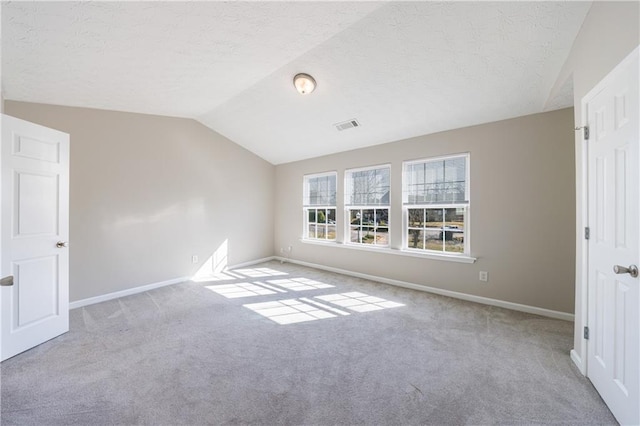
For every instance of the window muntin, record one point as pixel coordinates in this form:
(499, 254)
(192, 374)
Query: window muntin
(369, 226)
(321, 224)
(319, 205)
(436, 229)
(436, 204)
(367, 205)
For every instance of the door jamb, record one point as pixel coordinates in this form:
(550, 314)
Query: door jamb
(579, 356)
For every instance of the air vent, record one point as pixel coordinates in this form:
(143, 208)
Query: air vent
(347, 125)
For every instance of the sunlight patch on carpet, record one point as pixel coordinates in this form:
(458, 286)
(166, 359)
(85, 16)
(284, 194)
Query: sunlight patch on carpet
(299, 284)
(259, 272)
(359, 302)
(289, 311)
(234, 291)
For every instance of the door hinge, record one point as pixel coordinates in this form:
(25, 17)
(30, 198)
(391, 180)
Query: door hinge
(585, 132)
(586, 333)
(587, 233)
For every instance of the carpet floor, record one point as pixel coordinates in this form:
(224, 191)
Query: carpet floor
(284, 344)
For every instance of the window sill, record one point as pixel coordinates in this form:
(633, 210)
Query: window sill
(396, 252)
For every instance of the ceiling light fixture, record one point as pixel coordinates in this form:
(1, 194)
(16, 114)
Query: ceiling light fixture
(304, 83)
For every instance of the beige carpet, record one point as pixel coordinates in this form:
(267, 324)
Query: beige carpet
(284, 344)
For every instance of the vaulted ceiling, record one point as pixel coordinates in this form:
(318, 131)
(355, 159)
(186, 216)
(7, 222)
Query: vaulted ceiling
(401, 69)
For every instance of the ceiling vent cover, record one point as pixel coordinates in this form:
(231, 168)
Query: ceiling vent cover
(350, 124)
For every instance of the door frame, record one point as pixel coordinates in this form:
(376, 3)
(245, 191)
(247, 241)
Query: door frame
(579, 353)
(581, 317)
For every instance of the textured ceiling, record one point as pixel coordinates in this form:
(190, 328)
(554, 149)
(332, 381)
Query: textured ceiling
(401, 69)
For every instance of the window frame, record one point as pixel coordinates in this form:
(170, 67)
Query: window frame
(307, 207)
(348, 208)
(466, 205)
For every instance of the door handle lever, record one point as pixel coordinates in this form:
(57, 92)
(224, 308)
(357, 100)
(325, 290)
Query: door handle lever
(631, 270)
(6, 281)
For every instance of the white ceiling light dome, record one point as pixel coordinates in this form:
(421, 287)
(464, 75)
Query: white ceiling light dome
(304, 83)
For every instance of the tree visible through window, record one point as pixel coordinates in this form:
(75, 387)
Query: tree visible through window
(436, 204)
(367, 205)
(320, 206)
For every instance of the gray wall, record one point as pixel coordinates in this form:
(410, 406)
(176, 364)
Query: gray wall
(522, 213)
(148, 192)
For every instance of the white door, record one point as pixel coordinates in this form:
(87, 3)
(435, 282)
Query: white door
(34, 229)
(613, 363)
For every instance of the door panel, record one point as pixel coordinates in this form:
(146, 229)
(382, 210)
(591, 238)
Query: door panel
(34, 218)
(613, 361)
(28, 147)
(36, 276)
(36, 204)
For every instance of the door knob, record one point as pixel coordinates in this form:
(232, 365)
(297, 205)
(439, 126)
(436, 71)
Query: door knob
(631, 270)
(61, 244)
(6, 281)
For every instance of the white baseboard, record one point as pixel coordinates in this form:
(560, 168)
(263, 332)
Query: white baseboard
(143, 288)
(122, 293)
(578, 361)
(469, 297)
(251, 262)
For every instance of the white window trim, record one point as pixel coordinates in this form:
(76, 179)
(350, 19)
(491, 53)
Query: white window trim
(467, 205)
(306, 208)
(363, 169)
(438, 158)
(423, 254)
(348, 208)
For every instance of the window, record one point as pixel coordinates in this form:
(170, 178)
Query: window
(320, 206)
(436, 204)
(367, 205)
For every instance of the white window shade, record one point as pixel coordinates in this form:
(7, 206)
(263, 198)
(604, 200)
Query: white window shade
(320, 190)
(438, 181)
(367, 187)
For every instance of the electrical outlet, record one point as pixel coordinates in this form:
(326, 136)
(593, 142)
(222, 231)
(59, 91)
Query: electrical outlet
(194, 258)
(484, 276)
(281, 249)
(289, 249)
